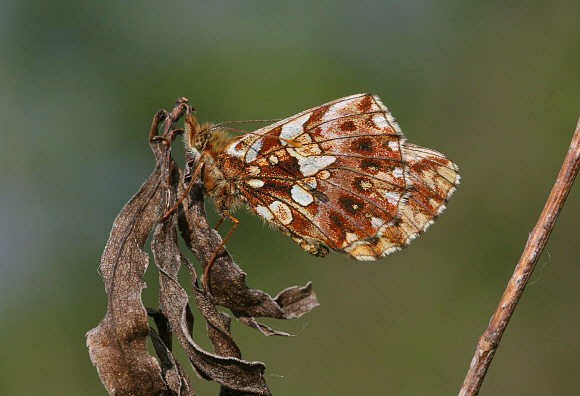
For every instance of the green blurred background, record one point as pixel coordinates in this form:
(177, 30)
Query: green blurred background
(493, 85)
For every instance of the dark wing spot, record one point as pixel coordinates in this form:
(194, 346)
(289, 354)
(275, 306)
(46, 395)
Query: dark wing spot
(392, 165)
(348, 126)
(269, 144)
(290, 165)
(336, 221)
(370, 122)
(319, 195)
(351, 205)
(283, 188)
(362, 145)
(365, 104)
(370, 165)
(317, 115)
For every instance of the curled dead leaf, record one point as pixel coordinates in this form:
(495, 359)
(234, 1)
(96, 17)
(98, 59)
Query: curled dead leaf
(118, 345)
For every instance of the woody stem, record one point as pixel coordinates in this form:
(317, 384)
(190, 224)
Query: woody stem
(537, 240)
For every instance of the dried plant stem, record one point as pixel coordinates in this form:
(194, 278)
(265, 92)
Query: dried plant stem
(537, 240)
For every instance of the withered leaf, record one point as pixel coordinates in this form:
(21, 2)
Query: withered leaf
(296, 301)
(293, 301)
(231, 372)
(118, 346)
(173, 374)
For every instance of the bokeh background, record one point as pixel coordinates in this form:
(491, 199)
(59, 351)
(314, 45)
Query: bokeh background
(493, 85)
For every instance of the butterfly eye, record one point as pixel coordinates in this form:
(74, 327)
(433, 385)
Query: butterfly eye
(199, 141)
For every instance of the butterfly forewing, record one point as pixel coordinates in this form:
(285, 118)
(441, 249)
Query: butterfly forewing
(349, 181)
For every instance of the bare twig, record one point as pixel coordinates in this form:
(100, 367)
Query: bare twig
(537, 240)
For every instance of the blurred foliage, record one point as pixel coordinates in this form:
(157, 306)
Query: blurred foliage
(493, 85)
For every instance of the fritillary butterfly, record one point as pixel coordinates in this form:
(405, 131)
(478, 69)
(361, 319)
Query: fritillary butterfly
(338, 176)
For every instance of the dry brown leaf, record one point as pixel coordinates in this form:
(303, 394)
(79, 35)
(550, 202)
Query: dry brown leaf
(118, 346)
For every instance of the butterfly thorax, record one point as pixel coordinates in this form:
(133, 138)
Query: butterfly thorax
(209, 144)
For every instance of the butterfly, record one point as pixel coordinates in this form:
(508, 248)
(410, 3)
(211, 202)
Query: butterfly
(339, 176)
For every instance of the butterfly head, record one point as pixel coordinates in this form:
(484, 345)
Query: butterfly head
(205, 137)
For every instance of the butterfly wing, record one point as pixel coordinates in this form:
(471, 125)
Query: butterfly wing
(353, 184)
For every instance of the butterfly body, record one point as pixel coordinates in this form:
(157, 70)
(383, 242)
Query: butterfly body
(338, 176)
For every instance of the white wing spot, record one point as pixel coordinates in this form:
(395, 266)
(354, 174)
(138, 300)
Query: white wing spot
(392, 197)
(311, 165)
(376, 222)
(394, 145)
(254, 170)
(282, 212)
(398, 173)
(273, 159)
(294, 128)
(264, 212)
(254, 150)
(351, 237)
(255, 183)
(380, 120)
(301, 196)
(237, 149)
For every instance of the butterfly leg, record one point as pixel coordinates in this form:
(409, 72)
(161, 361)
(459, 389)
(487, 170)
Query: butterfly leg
(235, 221)
(219, 223)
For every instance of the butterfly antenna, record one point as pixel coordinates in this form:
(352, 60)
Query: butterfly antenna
(245, 122)
(293, 143)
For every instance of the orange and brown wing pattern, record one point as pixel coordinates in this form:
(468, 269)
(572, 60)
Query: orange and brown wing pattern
(352, 183)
